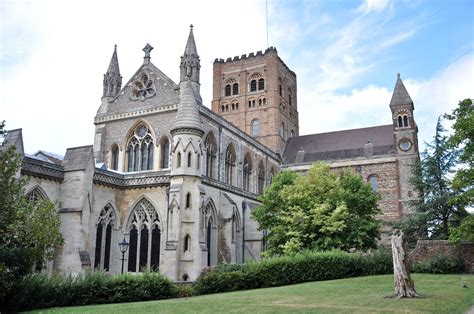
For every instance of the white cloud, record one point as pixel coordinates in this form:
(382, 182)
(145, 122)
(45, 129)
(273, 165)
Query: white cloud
(373, 5)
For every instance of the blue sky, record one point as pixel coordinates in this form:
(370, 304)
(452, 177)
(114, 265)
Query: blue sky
(346, 55)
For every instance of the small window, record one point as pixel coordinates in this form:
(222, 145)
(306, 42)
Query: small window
(280, 90)
(226, 107)
(264, 101)
(400, 123)
(253, 103)
(260, 102)
(373, 183)
(236, 106)
(250, 103)
(292, 133)
(255, 128)
(405, 120)
(261, 84)
(187, 243)
(185, 277)
(222, 108)
(227, 90)
(235, 89)
(189, 159)
(188, 200)
(115, 157)
(233, 106)
(178, 160)
(165, 153)
(253, 85)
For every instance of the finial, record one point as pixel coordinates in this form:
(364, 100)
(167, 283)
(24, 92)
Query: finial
(148, 48)
(398, 75)
(115, 46)
(191, 26)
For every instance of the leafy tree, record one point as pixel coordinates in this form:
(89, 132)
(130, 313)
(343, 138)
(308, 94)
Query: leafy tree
(29, 232)
(465, 232)
(463, 117)
(437, 209)
(320, 211)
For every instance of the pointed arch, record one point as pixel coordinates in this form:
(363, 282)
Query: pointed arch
(211, 153)
(164, 152)
(209, 229)
(140, 147)
(105, 223)
(247, 172)
(187, 243)
(144, 229)
(114, 156)
(188, 200)
(36, 194)
(230, 158)
(261, 177)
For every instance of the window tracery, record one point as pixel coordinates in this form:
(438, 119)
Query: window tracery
(229, 164)
(35, 195)
(103, 239)
(143, 88)
(261, 178)
(247, 172)
(140, 150)
(211, 151)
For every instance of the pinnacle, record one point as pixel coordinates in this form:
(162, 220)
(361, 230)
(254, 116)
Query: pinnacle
(114, 65)
(400, 96)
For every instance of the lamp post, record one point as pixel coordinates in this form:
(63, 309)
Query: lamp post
(123, 248)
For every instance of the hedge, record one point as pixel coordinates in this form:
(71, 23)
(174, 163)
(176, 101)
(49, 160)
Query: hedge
(94, 287)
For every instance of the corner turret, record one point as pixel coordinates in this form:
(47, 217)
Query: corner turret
(112, 79)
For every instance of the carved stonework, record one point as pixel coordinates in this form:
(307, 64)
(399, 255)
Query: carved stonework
(41, 169)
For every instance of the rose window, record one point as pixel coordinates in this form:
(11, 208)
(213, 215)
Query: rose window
(143, 89)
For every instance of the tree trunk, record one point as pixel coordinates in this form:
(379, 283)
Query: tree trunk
(404, 286)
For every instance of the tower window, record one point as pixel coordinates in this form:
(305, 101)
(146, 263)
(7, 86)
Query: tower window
(227, 90)
(400, 122)
(187, 244)
(280, 90)
(255, 128)
(253, 86)
(178, 160)
(373, 183)
(188, 200)
(235, 89)
(261, 84)
(189, 159)
(222, 108)
(405, 120)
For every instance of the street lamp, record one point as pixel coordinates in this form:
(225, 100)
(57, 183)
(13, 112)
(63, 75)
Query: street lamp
(123, 248)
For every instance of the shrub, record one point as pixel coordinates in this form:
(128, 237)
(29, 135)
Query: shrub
(439, 264)
(285, 270)
(93, 287)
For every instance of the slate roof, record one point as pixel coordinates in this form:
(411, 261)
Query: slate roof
(47, 157)
(346, 144)
(188, 112)
(400, 96)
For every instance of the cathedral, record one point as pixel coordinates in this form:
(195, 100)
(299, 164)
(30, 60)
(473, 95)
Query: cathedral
(178, 181)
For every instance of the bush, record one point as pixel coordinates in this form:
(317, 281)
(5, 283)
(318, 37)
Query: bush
(439, 264)
(94, 287)
(285, 270)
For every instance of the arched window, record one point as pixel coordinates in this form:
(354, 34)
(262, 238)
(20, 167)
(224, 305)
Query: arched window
(247, 172)
(178, 160)
(236, 106)
(165, 153)
(253, 85)
(145, 237)
(188, 200)
(233, 106)
(36, 195)
(140, 149)
(115, 157)
(211, 151)
(229, 164)
(235, 89)
(226, 107)
(222, 108)
(189, 159)
(209, 229)
(187, 243)
(372, 179)
(280, 90)
(400, 123)
(405, 120)
(261, 178)
(261, 84)
(282, 130)
(264, 101)
(227, 90)
(103, 238)
(255, 127)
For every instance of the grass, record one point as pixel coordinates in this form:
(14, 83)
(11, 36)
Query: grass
(441, 294)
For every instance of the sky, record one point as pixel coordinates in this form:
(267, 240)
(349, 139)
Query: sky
(346, 54)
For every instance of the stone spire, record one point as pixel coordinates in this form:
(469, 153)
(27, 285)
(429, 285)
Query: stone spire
(400, 96)
(190, 63)
(187, 118)
(112, 78)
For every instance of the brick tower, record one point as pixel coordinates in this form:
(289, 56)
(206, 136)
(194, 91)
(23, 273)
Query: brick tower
(257, 93)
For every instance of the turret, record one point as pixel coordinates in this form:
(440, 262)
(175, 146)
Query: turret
(112, 79)
(190, 65)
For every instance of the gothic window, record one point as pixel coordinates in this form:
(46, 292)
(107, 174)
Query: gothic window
(211, 151)
(235, 89)
(261, 84)
(253, 85)
(227, 90)
(187, 243)
(209, 228)
(143, 88)
(229, 164)
(140, 150)
(405, 120)
(189, 159)
(103, 238)
(115, 157)
(188, 200)
(255, 127)
(165, 153)
(261, 178)
(36, 195)
(373, 183)
(247, 172)
(145, 237)
(178, 160)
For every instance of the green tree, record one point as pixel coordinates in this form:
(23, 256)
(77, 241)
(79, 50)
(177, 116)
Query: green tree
(29, 232)
(437, 209)
(463, 137)
(320, 211)
(465, 231)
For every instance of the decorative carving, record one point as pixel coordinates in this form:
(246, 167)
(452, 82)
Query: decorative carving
(143, 88)
(42, 169)
(128, 181)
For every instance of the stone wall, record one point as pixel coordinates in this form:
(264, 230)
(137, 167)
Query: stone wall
(426, 249)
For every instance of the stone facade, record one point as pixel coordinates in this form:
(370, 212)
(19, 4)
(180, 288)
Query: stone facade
(178, 181)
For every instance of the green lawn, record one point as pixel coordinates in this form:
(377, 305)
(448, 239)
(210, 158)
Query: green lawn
(441, 294)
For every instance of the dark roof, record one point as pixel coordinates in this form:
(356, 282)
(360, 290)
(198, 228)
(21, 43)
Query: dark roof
(400, 96)
(340, 144)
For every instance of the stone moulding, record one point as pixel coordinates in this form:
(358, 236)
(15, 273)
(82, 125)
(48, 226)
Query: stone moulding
(229, 188)
(131, 181)
(138, 113)
(42, 169)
